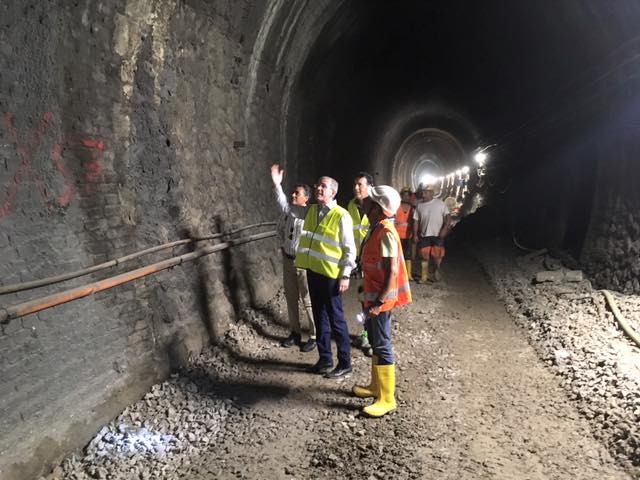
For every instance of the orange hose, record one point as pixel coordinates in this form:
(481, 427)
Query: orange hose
(19, 287)
(42, 303)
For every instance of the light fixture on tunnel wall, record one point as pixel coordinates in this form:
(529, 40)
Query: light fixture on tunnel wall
(480, 158)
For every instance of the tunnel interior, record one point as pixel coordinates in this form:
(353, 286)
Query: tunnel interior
(133, 123)
(408, 89)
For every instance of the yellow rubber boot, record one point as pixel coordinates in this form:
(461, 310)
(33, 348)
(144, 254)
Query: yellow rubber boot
(407, 264)
(370, 390)
(386, 401)
(424, 271)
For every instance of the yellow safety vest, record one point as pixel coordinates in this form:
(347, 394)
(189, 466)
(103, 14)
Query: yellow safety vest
(320, 248)
(360, 224)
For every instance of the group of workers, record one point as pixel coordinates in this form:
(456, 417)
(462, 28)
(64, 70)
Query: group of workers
(326, 247)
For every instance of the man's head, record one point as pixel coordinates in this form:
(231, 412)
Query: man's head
(382, 201)
(325, 189)
(428, 193)
(300, 194)
(361, 183)
(405, 195)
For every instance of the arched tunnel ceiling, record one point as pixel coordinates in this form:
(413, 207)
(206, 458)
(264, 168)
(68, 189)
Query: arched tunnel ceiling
(485, 72)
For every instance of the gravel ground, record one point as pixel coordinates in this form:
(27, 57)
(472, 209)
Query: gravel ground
(474, 399)
(575, 333)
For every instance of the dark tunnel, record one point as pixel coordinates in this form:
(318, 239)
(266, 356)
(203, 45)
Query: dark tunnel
(406, 88)
(132, 123)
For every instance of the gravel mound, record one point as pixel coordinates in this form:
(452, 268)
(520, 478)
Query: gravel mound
(179, 421)
(572, 330)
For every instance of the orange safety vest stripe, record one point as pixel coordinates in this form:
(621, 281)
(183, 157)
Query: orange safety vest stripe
(374, 273)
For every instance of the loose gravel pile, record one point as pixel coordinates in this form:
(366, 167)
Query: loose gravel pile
(574, 332)
(177, 420)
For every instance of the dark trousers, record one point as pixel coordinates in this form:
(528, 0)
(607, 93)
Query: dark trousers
(328, 316)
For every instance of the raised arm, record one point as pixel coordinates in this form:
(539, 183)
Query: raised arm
(276, 177)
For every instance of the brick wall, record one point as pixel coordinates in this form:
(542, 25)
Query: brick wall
(125, 125)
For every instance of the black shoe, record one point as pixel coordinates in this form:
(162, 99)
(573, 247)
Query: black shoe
(338, 372)
(308, 345)
(321, 368)
(291, 340)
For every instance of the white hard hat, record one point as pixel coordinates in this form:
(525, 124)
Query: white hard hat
(387, 197)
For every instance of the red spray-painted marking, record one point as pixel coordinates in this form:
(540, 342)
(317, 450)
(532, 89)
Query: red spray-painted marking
(26, 156)
(26, 151)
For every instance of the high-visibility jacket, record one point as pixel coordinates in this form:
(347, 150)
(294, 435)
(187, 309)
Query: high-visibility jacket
(320, 246)
(403, 219)
(360, 223)
(374, 273)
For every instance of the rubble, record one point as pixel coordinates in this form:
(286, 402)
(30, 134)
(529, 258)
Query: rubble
(577, 336)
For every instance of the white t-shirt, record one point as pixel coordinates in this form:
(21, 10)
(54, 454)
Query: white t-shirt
(430, 217)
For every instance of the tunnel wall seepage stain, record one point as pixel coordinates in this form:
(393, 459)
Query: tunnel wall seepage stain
(124, 125)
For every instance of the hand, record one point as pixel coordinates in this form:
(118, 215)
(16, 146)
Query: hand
(276, 174)
(343, 285)
(373, 310)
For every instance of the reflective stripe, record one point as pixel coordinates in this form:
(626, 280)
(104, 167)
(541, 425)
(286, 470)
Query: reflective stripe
(374, 272)
(321, 238)
(319, 255)
(371, 296)
(373, 266)
(360, 223)
(320, 248)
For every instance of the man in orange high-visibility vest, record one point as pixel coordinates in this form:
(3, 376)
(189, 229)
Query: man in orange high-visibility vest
(404, 226)
(386, 286)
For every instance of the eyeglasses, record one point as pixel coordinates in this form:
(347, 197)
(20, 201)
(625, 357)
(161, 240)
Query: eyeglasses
(322, 185)
(298, 194)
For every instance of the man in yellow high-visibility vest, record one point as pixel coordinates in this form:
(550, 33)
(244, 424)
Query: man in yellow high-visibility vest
(327, 251)
(361, 184)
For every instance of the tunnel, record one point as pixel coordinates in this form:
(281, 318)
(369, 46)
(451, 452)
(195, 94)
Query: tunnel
(131, 124)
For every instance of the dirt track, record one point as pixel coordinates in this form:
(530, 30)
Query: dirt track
(474, 403)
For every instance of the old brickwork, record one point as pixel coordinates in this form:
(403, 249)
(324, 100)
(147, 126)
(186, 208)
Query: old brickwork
(125, 125)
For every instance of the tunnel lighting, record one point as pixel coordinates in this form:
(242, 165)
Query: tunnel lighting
(480, 158)
(459, 173)
(428, 179)
(465, 170)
